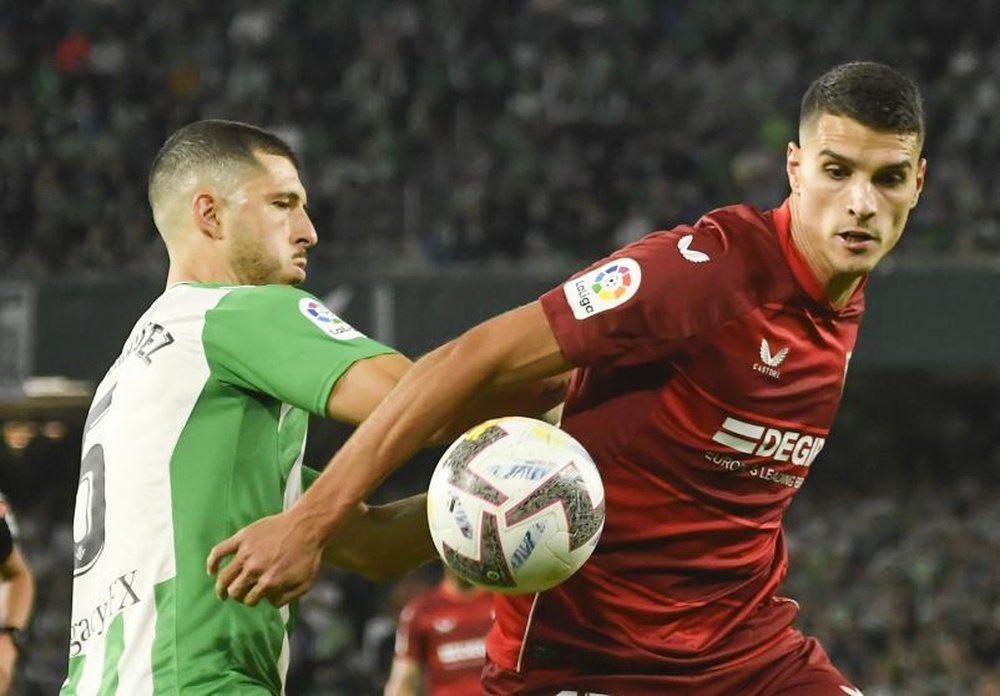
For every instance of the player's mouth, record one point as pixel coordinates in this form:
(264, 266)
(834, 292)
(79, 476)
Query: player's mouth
(300, 261)
(858, 240)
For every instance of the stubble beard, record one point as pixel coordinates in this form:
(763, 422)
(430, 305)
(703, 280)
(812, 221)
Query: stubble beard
(254, 266)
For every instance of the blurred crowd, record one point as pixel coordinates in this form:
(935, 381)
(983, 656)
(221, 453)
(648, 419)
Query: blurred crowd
(440, 131)
(894, 544)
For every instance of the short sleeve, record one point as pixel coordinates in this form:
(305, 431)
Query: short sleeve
(644, 301)
(283, 342)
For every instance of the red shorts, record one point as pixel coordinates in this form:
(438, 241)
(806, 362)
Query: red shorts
(793, 666)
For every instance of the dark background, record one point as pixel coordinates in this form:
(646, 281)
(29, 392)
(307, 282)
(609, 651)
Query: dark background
(462, 157)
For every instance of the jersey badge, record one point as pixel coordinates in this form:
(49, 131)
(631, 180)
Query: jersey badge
(773, 360)
(769, 362)
(689, 254)
(328, 322)
(603, 288)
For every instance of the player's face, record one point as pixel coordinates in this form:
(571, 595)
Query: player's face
(852, 191)
(268, 228)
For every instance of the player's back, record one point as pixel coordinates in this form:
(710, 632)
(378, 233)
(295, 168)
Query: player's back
(175, 459)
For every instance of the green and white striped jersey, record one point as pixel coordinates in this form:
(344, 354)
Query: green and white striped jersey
(196, 430)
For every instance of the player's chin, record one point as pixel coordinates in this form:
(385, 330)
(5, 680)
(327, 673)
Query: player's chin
(294, 275)
(860, 264)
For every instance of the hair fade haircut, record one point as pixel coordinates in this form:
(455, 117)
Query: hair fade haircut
(216, 144)
(873, 94)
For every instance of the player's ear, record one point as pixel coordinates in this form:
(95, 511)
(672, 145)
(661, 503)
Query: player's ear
(206, 209)
(793, 165)
(921, 176)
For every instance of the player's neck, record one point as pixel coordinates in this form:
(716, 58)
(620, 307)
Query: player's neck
(192, 268)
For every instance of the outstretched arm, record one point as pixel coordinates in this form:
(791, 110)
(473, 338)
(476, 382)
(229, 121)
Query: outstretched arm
(382, 542)
(510, 351)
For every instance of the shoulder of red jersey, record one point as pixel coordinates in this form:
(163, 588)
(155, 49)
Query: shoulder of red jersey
(732, 250)
(670, 285)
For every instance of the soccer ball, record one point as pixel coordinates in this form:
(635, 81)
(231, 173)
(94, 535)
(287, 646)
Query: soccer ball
(515, 505)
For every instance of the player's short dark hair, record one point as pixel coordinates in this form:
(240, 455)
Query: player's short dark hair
(212, 143)
(873, 94)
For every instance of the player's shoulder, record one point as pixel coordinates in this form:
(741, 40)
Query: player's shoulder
(266, 293)
(743, 226)
(267, 299)
(724, 231)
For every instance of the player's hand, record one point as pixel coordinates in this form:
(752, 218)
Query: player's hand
(271, 558)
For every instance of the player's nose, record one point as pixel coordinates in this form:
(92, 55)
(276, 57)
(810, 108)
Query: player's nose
(305, 232)
(861, 202)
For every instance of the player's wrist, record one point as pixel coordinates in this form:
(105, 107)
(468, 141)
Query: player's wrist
(315, 524)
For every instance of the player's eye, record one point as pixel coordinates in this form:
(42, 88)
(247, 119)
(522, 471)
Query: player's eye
(892, 177)
(282, 204)
(836, 171)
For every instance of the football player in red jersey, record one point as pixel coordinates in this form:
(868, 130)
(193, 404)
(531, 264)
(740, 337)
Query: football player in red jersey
(708, 363)
(441, 641)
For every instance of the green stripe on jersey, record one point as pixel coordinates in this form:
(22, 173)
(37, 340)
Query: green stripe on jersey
(224, 474)
(114, 646)
(73, 678)
(164, 658)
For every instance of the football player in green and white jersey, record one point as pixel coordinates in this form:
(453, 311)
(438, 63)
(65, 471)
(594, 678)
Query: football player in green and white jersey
(199, 427)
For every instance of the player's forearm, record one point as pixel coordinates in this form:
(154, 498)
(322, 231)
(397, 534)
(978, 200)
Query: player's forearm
(513, 349)
(384, 541)
(533, 399)
(20, 591)
(427, 397)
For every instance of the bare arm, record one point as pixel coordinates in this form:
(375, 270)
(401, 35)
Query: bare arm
(508, 351)
(20, 589)
(364, 385)
(404, 679)
(399, 530)
(531, 399)
(382, 542)
(278, 557)
(20, 597)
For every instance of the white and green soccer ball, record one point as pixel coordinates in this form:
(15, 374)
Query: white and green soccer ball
(515, 505)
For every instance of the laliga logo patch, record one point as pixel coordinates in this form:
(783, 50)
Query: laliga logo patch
(603, 288)
(332, 325)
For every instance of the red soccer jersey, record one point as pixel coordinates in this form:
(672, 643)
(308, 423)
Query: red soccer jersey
(446, 635)
(710, 371)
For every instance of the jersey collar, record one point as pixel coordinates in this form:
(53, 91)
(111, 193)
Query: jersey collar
(782, 217)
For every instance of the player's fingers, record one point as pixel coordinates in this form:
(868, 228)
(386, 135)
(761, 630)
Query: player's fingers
(220, 551)
(224, 580)
(227, 577)
(253, 596)
(260, 589)
(242, 585)
(282, 598)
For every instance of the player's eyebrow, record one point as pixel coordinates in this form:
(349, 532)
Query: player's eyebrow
(292, 197)
(852, 164)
